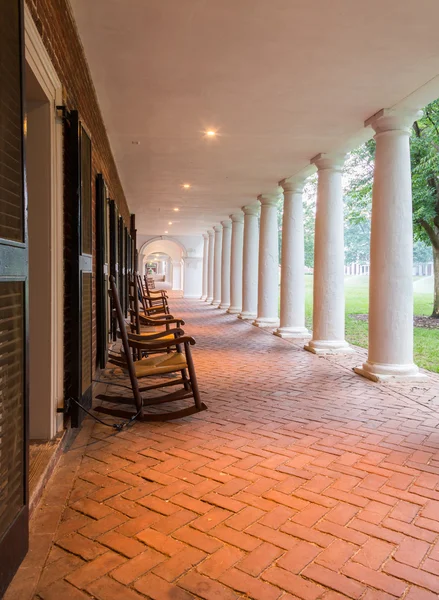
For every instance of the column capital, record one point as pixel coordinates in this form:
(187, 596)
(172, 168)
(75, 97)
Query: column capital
(205, 236)
(389, 119)
(268, 199)
(217, 228)
(296, 182)
(237, 218)
(293, 184)
(210, 232)
(227, 224)
(329, 161)
(251, 209)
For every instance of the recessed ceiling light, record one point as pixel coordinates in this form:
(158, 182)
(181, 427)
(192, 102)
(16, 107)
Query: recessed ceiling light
(166, 232)
(211, 133)
(170, 223)
(176, 209)
(186, 186)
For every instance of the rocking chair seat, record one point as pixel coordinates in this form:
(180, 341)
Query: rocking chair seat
(160, 364)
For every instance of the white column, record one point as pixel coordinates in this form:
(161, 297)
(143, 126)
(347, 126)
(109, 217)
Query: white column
(205, 265)
(329, 304)
(250, 262)
(390, 354)
(225, 263)
(210, 258)
(236, 264)
(218, 229)
(292, 289)
(176, 275)
(268, 285)
(192, 276)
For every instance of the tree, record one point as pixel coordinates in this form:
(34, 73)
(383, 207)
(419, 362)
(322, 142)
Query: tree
(424, 151)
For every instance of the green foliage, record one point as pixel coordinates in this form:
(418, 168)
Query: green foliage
(424, 151)
(357, 242)
(357, 302)
(422, 252)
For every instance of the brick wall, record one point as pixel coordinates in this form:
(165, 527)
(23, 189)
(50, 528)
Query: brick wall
(56, 25)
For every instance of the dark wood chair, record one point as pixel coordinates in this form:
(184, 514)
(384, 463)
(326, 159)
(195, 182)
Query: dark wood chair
(179, 359)
(152, 303)
(144, 326)
(150, 288)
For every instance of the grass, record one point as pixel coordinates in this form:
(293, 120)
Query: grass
(426, 341)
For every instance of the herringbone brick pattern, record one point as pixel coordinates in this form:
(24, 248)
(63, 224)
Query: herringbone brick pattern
(301, 481)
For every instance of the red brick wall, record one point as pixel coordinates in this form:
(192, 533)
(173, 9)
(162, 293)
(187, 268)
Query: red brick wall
(55, 23)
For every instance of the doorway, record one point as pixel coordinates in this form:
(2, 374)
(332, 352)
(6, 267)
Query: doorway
(42, 92)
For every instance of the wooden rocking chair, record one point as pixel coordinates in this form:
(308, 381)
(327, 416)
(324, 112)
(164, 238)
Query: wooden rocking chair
(143, 327)
(178, 360)
(152, 303)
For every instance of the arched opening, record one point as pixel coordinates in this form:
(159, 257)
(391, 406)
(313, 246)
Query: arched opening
(163, 259)
(158, 266)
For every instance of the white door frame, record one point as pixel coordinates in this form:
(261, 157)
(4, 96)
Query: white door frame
(39, 61)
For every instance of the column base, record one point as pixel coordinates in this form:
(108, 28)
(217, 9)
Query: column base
(215, 303)
(203, 298)
(209, 299)
(224, 306)
(292, 332)
(380, 372)
(234, 310)
(247, 316)
(266, 322)
(322, 347)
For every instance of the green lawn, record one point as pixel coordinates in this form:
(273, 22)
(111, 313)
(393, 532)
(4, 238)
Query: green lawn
(357, 302)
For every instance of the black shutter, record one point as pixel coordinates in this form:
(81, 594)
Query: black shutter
(121, 261)
(113, 259)
(79, 200)
(14, 434)
(101, 271)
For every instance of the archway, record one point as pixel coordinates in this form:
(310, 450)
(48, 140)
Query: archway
(165, 247)
(158, 266)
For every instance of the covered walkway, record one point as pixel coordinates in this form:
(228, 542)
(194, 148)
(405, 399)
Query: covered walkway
(302, 480)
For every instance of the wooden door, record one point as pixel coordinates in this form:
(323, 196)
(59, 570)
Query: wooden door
(13, 299)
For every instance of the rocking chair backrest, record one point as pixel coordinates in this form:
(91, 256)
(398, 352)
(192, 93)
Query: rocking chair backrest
(149, 284)
(126, 348)
(141, 291)
(133, 297)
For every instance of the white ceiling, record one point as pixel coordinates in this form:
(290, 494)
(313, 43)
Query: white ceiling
(280, 80)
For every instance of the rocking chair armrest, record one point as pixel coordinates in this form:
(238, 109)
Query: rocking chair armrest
(186, 339)
(172, 321)
(145, 320)
(134, 337)
(154, 309)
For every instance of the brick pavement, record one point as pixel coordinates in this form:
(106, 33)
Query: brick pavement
(301, 481)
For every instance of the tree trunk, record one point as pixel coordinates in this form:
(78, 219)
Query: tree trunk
(436, 282)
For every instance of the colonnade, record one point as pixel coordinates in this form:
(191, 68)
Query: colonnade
(241, 261)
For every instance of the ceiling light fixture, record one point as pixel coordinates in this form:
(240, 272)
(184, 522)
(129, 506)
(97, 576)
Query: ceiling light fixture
(176, 209)
(166, 232)
(186, 186)
(211, 133)
(170, 223)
